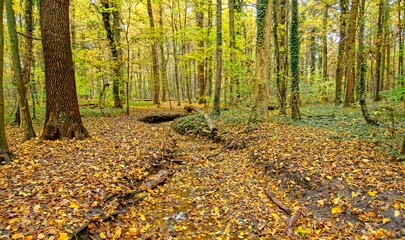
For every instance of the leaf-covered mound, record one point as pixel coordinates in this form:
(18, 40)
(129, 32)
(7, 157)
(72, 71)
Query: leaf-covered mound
(55, 187)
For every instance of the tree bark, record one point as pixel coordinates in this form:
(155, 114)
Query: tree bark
(325, 76)
(261, 89)
(163, 61)
(153, 47)
(350, 59)
(175, 57)
(26, 121)
(3, 139)
(295, 69)
(62, 118)
(218, 74)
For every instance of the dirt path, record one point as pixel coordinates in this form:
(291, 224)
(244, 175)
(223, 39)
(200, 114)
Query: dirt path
(217, 198)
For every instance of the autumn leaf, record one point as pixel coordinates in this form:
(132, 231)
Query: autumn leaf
(372, 193)
(63, 236)
(337, 210)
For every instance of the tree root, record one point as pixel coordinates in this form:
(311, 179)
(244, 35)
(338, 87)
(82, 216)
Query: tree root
(294, 216)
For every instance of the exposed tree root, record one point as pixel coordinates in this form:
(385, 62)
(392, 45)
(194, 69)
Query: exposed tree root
(294, 216)
(160, 118)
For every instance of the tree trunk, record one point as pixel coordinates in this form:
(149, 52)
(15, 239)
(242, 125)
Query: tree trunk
(62, 118)
(362, 67)
(26, 121)
(379, 51)
(350, 59)
(210, 73)
(295, 69)
(113, 35)
(218, 74)
(232, 56)
(163, 62)
(281, 56)
(325, 52)
(200, 48)
(261, 89)
(176, 61)
(4, 150)
(341, 52)
(153, 46)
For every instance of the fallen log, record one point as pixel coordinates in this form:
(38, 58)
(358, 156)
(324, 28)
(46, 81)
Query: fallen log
(208, 119)
(294, 216)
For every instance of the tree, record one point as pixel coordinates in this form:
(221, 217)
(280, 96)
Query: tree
(295, 68)
(110, 12)
(4, 151)
(350, 57)
(280, 45)
(153, 47)
(200, 46)
(26, 121)
(232, 55)
(62, 118)
(261, 89)
(362, 68)
(218, 73)
(379, 51)
(341, 52)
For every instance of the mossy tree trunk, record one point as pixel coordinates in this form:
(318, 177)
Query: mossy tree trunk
(200, 48)
(295, 68)
(26, 121)
(261, 89)
(110, 13)
(62, 118)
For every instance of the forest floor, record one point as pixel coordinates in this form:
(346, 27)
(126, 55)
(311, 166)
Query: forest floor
(344, 185)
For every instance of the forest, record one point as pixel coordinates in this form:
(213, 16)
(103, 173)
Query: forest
(202, 119)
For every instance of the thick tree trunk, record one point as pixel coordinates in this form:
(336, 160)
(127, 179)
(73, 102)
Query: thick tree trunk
(62, 119)
(261, 89)
(295, 69)
(26, 121)
(350, 59)
(379, 49)
(218, 74)
(4, 151)
(341, 52)
(153, 47)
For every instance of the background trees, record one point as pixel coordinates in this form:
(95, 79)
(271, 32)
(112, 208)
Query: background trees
(170, 53)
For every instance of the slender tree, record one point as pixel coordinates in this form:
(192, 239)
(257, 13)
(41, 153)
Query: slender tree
(4, 150)
(200, 46)
(232, 55)
(295, 68)
(261, 89)
(62, 118)
(26, 121)
(153, 47)
(175, 57)
(218, 74)
(163, 58)
(341, 52)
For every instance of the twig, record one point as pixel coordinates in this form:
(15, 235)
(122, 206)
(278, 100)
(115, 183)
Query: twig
(289, 229)
(232, 145)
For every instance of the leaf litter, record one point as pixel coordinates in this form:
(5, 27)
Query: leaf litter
(344, 188)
